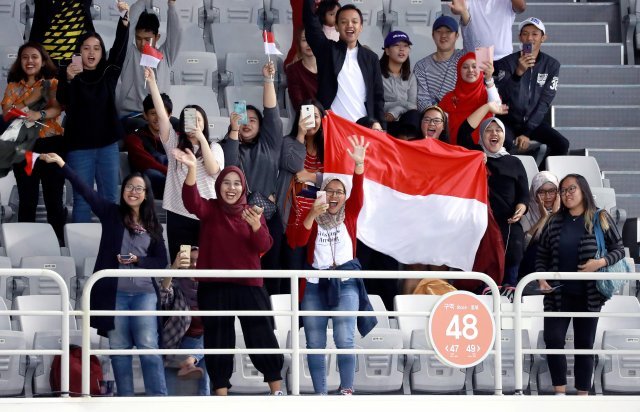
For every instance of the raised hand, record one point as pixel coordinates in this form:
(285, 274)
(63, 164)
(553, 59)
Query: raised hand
(498, 108)
(359, 149)
(149, 75)
(269, 70)
(186, 157)
(458, 7)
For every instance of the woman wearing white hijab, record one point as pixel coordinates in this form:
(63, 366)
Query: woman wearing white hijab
(508, 187)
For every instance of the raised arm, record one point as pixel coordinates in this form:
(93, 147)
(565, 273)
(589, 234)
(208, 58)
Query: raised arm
(211, 165)
(158, 104)
(118, 50)
(313, 30)
(191, 198)
(171, 45)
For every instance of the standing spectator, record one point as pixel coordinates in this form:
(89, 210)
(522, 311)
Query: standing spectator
(233, 236)
(435, 74)
(255, 148)
(145, 30)
(399, 83)
(32, 88)
(326, 12)
(329, 230)
(92, 127)
(568, 244)
(302, 76)
(183, 227)
(144, 147)
(528, 83)
(131, 239)
(493, 21)
(349, 79)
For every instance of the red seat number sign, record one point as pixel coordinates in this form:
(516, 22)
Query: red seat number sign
(461, 329)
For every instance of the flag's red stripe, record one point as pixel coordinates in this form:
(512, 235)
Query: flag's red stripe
(151, 51)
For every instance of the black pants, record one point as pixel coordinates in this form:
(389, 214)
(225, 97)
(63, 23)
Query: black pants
(52, 186)
(558, 144)
(584, 331)
(374, 260)
(219, 331)
(181, 230)
(272, 260)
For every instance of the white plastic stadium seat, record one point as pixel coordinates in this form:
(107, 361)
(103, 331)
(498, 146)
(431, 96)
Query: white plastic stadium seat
(586, 166)
(484, 373)
(530, 167)
(29, 239)
(204, 97)
(251, 94)
(218, 127)
(11, 381)
(620, 373)
(63, 265)
(83, 240)
(415, 12)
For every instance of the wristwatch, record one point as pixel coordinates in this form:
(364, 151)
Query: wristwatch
(43, 115)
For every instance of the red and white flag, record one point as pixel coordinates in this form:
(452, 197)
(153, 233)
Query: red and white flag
(270, 43)
(151, 56)
(30, 157)
(424, 201)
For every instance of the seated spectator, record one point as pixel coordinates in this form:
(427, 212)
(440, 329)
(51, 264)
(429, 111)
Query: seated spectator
(255, 148)
(349, 80)
(302, 76)
(433, 124)
(191, 366)
(398, 82)
(32, 89)
(370, 123)
(92, 127)
(435, 74)
(474, 87)
(183, 228)
(508, 188)
(408, 133)
(233, 236)
(492, 23)
(326, 12)
(528, 83)
(144, 147)
(145, 30)
(131, 239)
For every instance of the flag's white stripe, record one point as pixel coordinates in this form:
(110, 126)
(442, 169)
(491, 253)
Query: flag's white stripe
(270, 48)
(149, 61)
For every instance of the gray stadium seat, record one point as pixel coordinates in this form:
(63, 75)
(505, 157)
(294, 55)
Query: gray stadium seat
(620, 374)
(246, 37)
(8, 55)
(83, 241)
(187, 10)
(605, 198)
(422, 40)
(244, 69)
(236, 11)
(11, 31)
(8, 8)
(29, 239)
(530, 166)
(586, 166)
(195, 68)
(282, 13)
(5, 263)
(371, 37)
(372, 11)
(63, 265)
(192, 94)
(218, 127)
(195, 36)
(484, 373)
(11, 380)
(106, 10)
(251, 94)
(414, 12)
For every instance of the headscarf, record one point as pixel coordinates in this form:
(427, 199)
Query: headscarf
(326, 220)
(463, 100)
(241, 204)
(540, 179)
(483, 127)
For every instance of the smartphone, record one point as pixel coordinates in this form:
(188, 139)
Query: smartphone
(189, 119)
(527, 48)
(186, 249)
(76, 60)
(240, 107)
(127, 256)
(257, 209)
(544, 291)
(322, 195)
(307, 110)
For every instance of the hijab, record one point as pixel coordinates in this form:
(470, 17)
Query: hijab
(483, 127)
(240, 205)
(326, 220)
(540, 179)
(463, 100)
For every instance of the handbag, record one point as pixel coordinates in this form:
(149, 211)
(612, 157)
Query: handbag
(258, 199)
(607, 287)
(174, 327)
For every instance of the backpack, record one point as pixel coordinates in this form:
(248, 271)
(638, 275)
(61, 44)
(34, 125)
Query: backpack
(75, 373)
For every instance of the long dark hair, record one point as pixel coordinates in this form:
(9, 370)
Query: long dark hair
(324, 7)
(87, 35)
(148, 218)
(47, 71)
(405, 69)
(588, 203)
(318, 139)
(183, 139)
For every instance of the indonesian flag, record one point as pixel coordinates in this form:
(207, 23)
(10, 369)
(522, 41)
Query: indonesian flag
(425, 201)
(270, 43)
(14, 113)
(150, 56)
(30, 157)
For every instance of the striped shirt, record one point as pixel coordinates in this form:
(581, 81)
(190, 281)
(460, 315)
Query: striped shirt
(177, 173)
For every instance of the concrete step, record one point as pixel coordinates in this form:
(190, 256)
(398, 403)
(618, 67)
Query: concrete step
(616, 159)
(583, 53)
(589, 74)
(597, 95)
(591, 116)
(602, 137)
(572, 32)
(625, 182)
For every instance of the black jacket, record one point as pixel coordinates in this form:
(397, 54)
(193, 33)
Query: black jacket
(330, 56)
(528, 97)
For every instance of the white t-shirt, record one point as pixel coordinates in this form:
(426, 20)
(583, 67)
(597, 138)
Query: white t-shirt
(332, 244)
(177, 173)
(492, 24)
(352, 92)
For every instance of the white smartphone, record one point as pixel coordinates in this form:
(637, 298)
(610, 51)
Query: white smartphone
(307, 110)
(76, 60)
(322, 195)
(186, 249)
(189, 119)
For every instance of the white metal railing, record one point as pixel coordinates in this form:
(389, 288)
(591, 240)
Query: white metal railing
(517, 315)
(295, 314)
(64, 330)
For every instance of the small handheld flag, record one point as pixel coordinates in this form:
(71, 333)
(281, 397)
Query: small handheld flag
(30, 158)
(270, 43)
(151, 56)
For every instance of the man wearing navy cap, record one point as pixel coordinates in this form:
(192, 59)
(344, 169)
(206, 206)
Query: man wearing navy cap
(527, 81)
(436, 74)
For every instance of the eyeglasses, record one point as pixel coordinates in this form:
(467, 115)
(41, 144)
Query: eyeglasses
(136, 189)
(335, 193)
(569, 190)
(435, 120)
(545, 193)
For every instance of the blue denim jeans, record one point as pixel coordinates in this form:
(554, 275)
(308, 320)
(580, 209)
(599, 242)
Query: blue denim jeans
(103, 166)
(173, 384)
(141, 332)
(315, 329)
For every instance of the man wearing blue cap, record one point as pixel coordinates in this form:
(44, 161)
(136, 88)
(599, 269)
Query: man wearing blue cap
(436, 74)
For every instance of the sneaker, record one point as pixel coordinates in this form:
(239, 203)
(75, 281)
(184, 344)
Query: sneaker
(278, 393)
(190, 372)
(347, 392)
(487, 290)
(508, 291)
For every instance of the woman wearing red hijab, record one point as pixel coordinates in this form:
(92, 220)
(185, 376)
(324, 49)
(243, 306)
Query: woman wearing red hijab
(472, 91)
